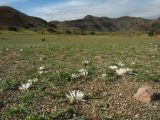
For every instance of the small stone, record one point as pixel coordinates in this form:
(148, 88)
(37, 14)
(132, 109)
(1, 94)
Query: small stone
(137, 115)
(154, 107)
(144, 94)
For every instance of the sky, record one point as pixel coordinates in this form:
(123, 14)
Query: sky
(76, 9)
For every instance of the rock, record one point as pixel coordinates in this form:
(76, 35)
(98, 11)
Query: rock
(144, 94)
(137, 115)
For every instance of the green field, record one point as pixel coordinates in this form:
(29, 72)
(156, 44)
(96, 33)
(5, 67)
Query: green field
(109, 97)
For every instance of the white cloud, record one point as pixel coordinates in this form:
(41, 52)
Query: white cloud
(75, 9)
(7, 2)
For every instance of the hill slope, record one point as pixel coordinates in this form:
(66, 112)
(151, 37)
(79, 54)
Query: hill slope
(10, 17)
(91, 23)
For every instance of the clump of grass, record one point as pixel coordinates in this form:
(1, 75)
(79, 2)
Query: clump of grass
(68, 113)
(37, 117)
(65, 76)
(27, 97)
(14, 112)
(111, 75)
(9, 85)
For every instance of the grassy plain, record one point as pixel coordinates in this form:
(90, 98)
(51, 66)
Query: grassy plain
(22, 53)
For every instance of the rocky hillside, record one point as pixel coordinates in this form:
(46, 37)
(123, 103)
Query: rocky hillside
(10, 17)
(91, 23)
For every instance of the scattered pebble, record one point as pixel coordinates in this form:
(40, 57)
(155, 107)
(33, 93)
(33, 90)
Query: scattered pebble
(154, 107)
(137, 115)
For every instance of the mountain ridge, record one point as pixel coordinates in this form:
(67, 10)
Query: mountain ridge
(11, 17)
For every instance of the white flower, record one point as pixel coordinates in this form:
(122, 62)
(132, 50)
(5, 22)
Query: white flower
(74, 76)
(7, 49)
(133, 63)
(85, 62)
(123, 71)
(0, 51)
(21, 50)
(25, 86)
(121, 64)
(41, 68)
(83, 72)
(74, 96)
(104, 75)
(33, 80)
(41, 72)
(114, 67)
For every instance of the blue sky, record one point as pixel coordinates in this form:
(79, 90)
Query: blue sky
(75, 9)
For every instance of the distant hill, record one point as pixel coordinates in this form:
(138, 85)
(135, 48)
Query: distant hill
(156, 24)
(91, 23)
(10, 17)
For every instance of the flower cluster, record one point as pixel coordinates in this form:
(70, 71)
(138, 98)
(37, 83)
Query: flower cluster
(81, 72)
(28, 84)
(75, 96)
(41, 69)
(21, 50)
(120, 71)
(25, 86)
(33, 80)
(114, 67)
(85, 62)
(104, 76)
